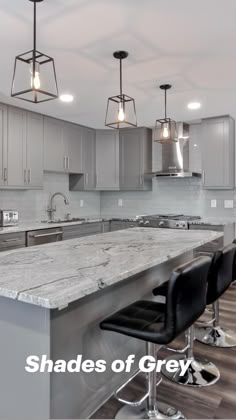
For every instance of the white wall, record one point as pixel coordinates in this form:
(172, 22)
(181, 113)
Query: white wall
(32, 205)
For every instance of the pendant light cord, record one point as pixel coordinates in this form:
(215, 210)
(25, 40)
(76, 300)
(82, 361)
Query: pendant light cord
(121, 77)
(34, 26)
(165, 104)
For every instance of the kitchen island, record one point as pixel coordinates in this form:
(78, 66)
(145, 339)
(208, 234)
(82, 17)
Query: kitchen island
(52, 300)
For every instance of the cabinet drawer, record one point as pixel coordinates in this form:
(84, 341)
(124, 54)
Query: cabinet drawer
(12, 240)
(70, 232)
(215, 228)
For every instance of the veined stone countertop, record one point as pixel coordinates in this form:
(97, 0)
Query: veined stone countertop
(213, 221)
(28, 226)
(57, 274)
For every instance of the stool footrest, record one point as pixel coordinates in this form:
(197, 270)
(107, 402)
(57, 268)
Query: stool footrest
(180, 351)
(132, 403)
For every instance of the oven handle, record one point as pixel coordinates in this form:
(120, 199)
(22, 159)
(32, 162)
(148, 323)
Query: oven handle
(43, 235)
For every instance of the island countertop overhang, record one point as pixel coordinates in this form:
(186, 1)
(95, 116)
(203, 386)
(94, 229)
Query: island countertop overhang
(57, 274)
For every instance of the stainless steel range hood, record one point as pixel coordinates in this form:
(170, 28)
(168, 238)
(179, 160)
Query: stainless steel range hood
(175, 156)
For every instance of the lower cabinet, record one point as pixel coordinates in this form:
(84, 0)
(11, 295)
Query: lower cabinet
(10, 241)
(77, 231)
(120, 225)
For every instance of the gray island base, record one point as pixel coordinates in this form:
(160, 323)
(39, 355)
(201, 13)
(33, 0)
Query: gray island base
(52, 300)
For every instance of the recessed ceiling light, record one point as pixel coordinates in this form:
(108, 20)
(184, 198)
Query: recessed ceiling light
(66, 97)
(194, 105)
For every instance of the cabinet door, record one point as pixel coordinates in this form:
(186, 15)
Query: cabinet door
(89, 138)
(131, 159)
(195, 153)
(54, 151)
(107, 159)
(34, 150)
(218, 153)
(16, 150)
(73, 137)
(3, 144)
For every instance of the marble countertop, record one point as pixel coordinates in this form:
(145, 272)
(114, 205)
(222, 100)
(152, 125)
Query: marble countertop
(214, 221)
(32, 225)
(57, 274)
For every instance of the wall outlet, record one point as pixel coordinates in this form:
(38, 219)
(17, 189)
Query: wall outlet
(81, 203)
(120, 202)
(213, 203)
(228, 204)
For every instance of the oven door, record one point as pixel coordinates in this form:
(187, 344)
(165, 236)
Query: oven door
(44, 236)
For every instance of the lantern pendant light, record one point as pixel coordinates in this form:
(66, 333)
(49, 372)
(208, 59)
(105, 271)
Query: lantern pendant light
(34, 77)
(121, 111)
(168, 132)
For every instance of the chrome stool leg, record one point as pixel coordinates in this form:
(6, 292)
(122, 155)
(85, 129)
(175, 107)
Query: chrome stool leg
(151, 409)
(215, 335)
(200, 373)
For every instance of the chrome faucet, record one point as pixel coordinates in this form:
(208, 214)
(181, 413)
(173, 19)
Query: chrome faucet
(52, 208)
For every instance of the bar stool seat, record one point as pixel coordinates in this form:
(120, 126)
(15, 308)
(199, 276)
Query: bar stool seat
(158, 323)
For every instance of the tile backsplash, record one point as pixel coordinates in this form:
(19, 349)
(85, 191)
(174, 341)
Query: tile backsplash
(32, 205)
(183, 196)
(168, 196)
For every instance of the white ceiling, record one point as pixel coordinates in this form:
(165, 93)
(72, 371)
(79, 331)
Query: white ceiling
(190, 44)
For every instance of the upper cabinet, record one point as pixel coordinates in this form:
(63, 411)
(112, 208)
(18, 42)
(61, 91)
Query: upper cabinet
(135, 158)
(16, 148)
(107, 160)
(3, 144)
(55, 158)
(73, 142)
(86, 181)
(34, 150)
(218, 153)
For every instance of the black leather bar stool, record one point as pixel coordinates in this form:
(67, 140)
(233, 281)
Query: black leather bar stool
(201, 372)
(159, 324)
(219, 280)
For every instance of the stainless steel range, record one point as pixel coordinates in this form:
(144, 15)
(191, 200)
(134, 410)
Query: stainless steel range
(170, 221)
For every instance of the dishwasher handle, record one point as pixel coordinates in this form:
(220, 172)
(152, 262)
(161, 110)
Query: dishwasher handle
(44, 235)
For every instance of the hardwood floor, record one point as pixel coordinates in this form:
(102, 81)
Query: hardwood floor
(214, 402)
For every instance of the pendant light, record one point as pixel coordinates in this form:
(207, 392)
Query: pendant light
(168, 133)
(34, 77)
(121, 111)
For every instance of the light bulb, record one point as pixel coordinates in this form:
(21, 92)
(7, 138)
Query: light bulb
(165, 132)
(121, 114)
(35, 79)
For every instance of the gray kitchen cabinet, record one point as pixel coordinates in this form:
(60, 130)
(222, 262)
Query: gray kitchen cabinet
(16, 148)
(218, 153)
(195, 151)
(73, 145)
(77, 231)
(3, 144)
(55, 158)
(120, 225)
(34, 151)
(87, 180)
(10, 241)
(107, 160)
(135, 158)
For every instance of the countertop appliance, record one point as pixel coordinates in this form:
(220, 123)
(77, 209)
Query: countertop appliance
(8, 218)
(170, 221)
(44, 236)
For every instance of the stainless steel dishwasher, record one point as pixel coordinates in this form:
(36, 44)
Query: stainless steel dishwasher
(44, 236)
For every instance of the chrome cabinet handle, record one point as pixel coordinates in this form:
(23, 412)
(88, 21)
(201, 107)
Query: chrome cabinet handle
(140, 180)
(5, 174)
(25, 180)
(203, 177)
(68, 163)
(65, 167)
(43, 235)
(86, 178)
(29, 176)
(11, 240)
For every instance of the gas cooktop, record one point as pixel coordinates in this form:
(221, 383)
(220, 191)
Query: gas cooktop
(171, 221)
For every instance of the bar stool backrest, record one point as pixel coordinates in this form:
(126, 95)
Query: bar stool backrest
(221, 272)
(186, 297)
